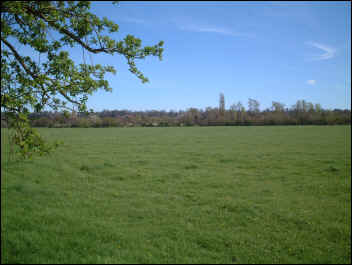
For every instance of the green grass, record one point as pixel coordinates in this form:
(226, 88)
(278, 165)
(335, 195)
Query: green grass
(181, 195)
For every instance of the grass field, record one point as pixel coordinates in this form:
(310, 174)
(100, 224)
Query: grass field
(279, 194)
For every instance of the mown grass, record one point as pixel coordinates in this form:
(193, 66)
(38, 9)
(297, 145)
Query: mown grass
(181, 195)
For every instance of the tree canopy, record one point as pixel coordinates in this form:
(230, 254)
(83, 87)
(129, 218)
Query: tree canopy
(50, 28)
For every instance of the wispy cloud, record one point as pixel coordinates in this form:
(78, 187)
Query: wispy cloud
(191, 26)
(133, 20)
(214, 29)
(329, 52)
(311, 82)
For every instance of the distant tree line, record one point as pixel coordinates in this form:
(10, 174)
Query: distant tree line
(301, 113)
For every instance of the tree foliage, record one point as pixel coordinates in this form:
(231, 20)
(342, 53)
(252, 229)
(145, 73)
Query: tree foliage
(253, 105)
(277, 114)
(221, 104)
(56, 81)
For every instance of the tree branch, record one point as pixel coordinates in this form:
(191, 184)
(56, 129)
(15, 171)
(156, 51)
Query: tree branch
(76, 38)
(66, 32)
(33, 75)
(19, 59)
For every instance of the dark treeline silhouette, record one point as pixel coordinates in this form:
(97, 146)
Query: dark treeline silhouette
(301, 113)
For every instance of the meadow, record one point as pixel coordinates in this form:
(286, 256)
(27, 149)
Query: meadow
(256, 194)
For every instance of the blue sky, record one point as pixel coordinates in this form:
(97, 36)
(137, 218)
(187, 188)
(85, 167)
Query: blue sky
(269, 51)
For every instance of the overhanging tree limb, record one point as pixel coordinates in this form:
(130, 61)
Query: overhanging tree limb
(19, 58)
(29, 83)
(33, 75)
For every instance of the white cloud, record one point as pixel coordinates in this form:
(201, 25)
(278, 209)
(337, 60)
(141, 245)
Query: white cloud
(133, 20)
(329, 52)
(212, 29)
(311, 82)
(192, 27)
